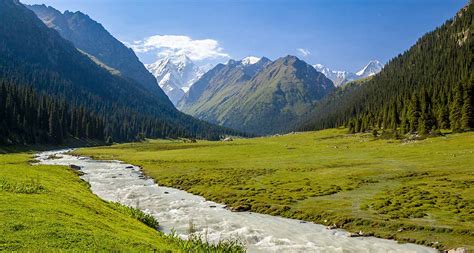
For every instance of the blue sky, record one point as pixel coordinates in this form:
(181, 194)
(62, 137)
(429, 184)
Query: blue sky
(341, 34)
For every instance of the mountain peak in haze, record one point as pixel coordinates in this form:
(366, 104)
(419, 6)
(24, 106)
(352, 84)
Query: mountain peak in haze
(340, 77)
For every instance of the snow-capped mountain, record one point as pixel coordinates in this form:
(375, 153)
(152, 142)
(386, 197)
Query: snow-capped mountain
(341, 77)
(372, 68)
(175, 75)
(250, 60)
(337, 77)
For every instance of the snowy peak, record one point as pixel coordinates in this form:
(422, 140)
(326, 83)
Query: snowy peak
(175, 75)
(337, 77)
(372, 68)
(250, 60)
(341, 77)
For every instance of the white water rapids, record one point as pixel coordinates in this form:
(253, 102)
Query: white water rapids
(177, 209)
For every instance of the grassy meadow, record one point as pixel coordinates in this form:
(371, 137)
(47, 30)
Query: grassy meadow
(412, 191)
(49, 208)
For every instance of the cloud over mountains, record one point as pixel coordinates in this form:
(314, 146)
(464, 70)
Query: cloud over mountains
(169, 45)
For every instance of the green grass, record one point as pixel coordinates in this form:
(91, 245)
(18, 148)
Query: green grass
(45, 208)
(418, 191)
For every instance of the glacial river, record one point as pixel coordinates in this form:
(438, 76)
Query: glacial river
(177, 210)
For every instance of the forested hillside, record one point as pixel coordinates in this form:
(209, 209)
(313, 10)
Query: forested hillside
(28, 117)
(425, 89)
(35, 56)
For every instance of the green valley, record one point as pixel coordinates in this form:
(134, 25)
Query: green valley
(50, 208)
(417, 191)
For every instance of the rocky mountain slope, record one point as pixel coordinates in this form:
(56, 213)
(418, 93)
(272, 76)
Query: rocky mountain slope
(92, 38)
(261, 97)
(175, 75)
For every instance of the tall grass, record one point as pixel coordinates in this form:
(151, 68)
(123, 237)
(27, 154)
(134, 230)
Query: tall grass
(138, 214)
(31, 186)
(196, 243)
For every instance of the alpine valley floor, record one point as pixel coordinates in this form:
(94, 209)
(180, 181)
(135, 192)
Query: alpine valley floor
(412, 191)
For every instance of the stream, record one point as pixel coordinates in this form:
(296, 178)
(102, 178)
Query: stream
(184, 212)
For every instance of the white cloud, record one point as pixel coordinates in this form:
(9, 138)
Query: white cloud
(304, 52)
(170, 45)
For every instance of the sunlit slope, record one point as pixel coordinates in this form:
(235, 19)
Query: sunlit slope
(48, 208)
(419, 191)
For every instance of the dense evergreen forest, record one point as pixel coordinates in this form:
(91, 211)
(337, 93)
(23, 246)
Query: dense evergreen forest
(69, 88)
(29, 117)
(425, 89)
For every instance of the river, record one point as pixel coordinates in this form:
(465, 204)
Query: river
(184, 213)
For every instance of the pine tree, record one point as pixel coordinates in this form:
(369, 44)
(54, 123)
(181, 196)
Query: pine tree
(456, 109)
(467, 112)
(414, 113)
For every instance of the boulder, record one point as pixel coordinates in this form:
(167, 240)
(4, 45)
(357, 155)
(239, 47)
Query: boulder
(457, 250)
(75, 167)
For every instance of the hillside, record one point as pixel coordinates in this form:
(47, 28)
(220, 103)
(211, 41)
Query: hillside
(91, 37)
(50, 209)
(427, 88)
(262, 98)
(33, 55)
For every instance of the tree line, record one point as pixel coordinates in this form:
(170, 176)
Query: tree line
(30, 117)
(425, 89)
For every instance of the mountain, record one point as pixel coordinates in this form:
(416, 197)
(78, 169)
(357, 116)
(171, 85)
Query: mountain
(175, 75)
(341, 77)
(372, 68)
(33, 55)
(92, 38)
(256, 95)
(337, 77)
(427, 88)
(208, 96)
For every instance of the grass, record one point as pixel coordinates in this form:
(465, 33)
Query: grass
(49, 208)
(417, 191)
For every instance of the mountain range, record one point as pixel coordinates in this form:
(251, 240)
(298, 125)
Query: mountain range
(37, 56)
(256, 95)
(93, 39)
(175, 75)
(91, 77)
(341, 77)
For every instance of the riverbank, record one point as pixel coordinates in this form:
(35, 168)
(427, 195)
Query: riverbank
(417, 191)
(188, 215)
(49, 208)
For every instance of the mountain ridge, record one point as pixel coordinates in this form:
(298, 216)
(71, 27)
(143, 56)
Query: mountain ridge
(263, 98)
(91, 37)
(340, 77)
(427, 88)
